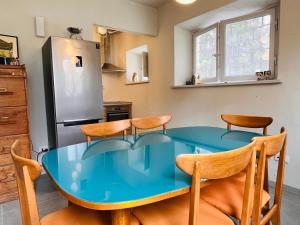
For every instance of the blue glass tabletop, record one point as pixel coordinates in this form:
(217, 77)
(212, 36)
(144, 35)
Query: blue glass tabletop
(113, 171)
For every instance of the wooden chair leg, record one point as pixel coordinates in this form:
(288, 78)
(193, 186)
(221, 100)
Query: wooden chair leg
(265, 210)
(228, 126)
(135, 133)
(124, 134)
(121, 217)
(88, 140)
(276, 218)
(266, 188)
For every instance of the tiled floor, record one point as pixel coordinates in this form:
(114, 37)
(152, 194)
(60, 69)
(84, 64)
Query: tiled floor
(50, 200)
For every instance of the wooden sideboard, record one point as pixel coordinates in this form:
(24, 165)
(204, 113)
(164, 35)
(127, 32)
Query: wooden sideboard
(13, 125)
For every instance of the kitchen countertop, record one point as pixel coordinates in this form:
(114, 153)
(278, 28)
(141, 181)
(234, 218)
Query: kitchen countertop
(113, 103)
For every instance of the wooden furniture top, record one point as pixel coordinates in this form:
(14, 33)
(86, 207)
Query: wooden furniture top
(247, 121)
(12, 71)
(105, 128)
(116, 103)
(12, 66)
(150, 122)
(131, 175)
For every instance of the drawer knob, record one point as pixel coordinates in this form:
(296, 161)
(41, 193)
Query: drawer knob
(5, 120)
(3, 90)
(7, 177)
(5, 149)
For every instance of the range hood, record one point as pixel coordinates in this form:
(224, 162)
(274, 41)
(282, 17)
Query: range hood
(108, 66)
(111, 68)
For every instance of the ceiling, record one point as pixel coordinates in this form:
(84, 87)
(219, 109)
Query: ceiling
(232, 10)
(153, 3)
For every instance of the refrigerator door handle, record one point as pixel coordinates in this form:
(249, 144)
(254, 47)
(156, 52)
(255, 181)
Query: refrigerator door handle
(81, 122)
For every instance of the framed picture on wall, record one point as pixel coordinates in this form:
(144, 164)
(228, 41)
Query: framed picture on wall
(9, 46)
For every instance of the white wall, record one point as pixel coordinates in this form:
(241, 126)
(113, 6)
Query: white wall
(203, 106)
(17, 18)
(183, 55)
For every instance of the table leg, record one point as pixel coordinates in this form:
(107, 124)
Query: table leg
(120, 217)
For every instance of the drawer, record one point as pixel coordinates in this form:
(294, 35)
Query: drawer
(12, 92)
(5, 146)
(13, 120)
(14, 72)
(7, 173)
(120, 108)
(5, 159)
(7, 187)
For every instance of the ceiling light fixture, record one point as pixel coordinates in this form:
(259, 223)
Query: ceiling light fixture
(185, 2)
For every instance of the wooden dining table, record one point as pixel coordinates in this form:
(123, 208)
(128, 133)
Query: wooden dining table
(118, 174)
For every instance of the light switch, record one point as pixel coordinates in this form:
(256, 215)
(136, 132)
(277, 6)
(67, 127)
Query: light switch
(40, 26)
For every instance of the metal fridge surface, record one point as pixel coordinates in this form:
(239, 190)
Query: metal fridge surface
(73, 88)
(76, 79)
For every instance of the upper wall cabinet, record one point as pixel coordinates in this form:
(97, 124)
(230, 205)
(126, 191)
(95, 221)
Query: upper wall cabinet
(137, 65)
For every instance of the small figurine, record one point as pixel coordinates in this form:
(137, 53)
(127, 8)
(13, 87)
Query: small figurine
(15, 61)
(268, 75)
(194, 79)
(134, 77)
(260, 76)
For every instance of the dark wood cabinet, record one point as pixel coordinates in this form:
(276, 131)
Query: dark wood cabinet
(13, 126)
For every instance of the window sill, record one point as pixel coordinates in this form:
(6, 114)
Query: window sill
(140, 82)
(231, 83)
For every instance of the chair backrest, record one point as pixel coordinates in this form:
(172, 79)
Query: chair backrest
(218, 166)
(150, 122)
(247, 121)
(269, 146)
(27, 171)
(105, 129)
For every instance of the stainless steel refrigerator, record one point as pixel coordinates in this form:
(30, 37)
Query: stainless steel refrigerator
(73, 88)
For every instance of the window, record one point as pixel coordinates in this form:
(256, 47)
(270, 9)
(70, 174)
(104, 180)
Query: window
(234, 50)
(205, 54)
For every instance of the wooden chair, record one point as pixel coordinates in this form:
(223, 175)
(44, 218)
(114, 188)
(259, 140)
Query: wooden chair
(105, 129)
(247, 121)
(230, 199)
(150, 122)
(190, 208)
(27, 171)
(272, 146)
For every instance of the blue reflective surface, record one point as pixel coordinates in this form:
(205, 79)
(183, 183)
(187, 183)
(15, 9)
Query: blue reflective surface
(117, 170)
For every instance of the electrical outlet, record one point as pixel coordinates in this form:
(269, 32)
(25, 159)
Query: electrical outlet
(287, 158)
(44, 148)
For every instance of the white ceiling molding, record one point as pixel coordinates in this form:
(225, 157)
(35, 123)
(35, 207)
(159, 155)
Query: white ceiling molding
(235, 9)
(152, 3)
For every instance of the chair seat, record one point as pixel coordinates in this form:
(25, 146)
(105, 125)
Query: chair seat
(75, 215)
(175, 211)
(227, 195)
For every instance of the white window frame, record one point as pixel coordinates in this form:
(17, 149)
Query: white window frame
(199, 33)
(221, 40)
